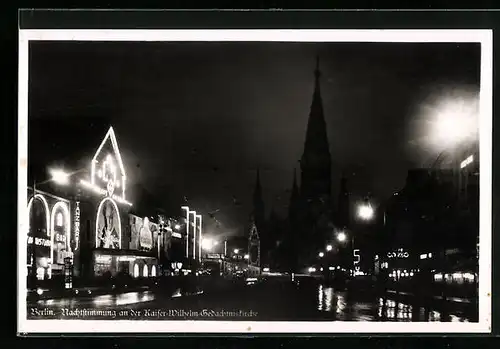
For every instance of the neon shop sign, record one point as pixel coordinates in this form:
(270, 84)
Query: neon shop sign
(39, 241)
(400, 254)
(76, 221)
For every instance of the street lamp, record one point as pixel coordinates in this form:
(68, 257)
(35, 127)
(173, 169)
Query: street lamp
(207, 244)
(329, 248)
(236, 251)
(60, 177)
(321, 254)
(365, 212)
(342, 237)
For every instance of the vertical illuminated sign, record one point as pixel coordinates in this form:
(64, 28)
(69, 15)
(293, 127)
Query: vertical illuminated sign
(357, 256)
(186, 208)
(199, 236)
(76, 222)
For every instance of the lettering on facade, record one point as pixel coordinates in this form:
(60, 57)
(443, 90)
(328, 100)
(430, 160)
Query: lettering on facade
(400, 253)
(60, 238)
(76, 221)
(39, 241)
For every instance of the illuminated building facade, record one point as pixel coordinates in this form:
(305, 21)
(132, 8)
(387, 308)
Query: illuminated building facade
(49, 235)
(115, 241)
(92, 226)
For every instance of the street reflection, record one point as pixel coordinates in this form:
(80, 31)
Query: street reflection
(357, 308)
(101, 300)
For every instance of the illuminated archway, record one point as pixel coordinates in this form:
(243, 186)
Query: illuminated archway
(47, 213)
(136, 270)
(67, 218)
(153, 271)
(119, 232)
(145, 271)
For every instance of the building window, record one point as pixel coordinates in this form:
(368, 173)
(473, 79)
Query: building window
(145, 271)
(153, 271)
(59, 219)
(136, 271)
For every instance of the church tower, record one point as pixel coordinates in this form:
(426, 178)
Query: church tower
(315, 163)
(258, 204)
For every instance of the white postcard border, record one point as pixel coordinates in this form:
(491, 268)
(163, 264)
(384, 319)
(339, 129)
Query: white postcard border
(164, 326)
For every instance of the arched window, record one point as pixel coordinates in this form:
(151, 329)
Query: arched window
(136, 271)
(145, 271)
(59, 219)
(153, 271)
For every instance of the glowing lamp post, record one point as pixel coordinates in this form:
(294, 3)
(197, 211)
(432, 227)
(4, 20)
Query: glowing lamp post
(455, 121)
(342, 237)
(450, 123)
(207, 244)
(60, 177)
(321, 254)
(366, 212)
(329, 248)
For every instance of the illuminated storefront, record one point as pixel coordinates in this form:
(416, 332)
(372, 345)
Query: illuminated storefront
(49, 234)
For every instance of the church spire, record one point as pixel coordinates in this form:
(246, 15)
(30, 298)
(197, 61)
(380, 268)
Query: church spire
(315, 162)
(258, 203)
(317, 72)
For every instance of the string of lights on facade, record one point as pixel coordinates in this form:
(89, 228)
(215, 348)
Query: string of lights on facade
(93, 231)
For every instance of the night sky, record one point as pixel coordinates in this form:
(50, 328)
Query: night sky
(198, 119)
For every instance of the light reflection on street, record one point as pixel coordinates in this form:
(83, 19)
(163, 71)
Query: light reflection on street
(344, 308)
(100, 301)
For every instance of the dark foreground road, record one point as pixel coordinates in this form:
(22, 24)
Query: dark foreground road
(268, 301)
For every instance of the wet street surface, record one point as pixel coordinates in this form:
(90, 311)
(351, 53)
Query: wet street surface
(266, 301)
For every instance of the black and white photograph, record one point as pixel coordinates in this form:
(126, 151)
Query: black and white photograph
(255, 181)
